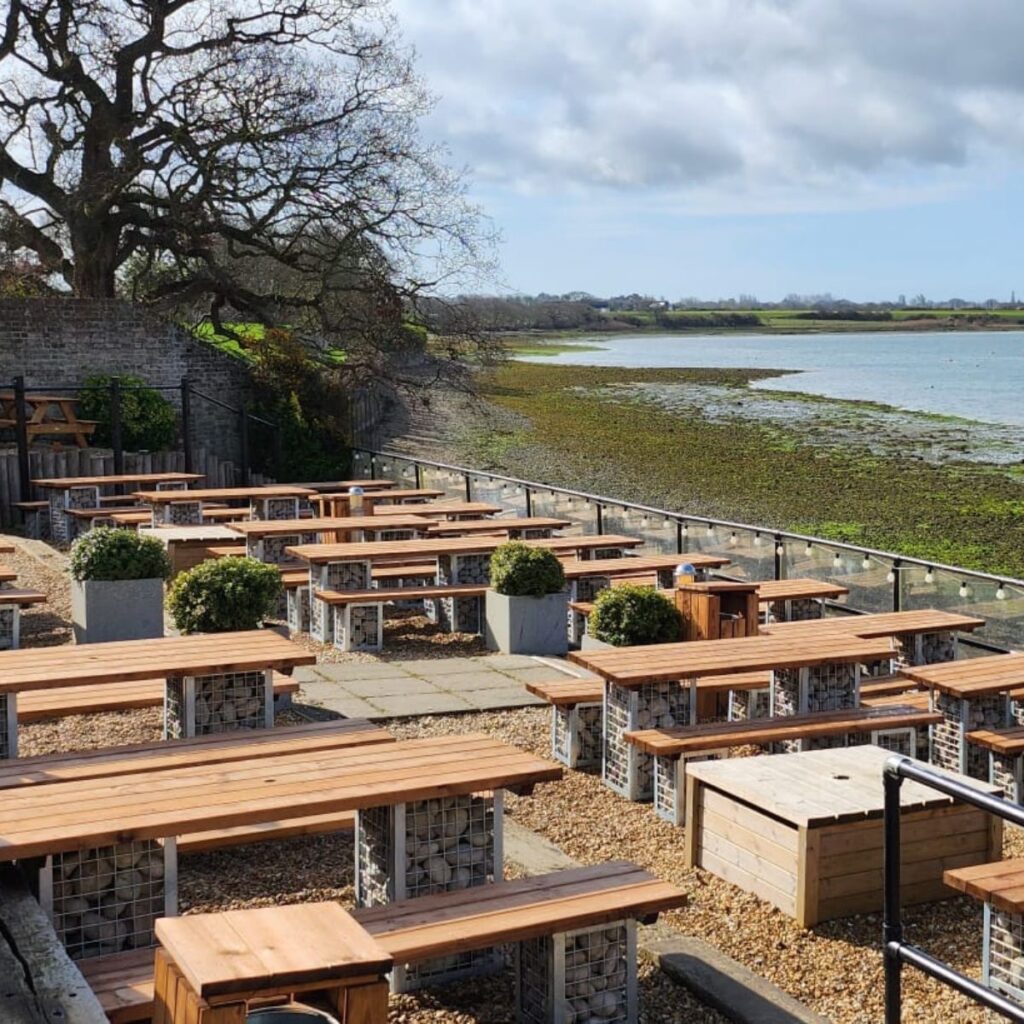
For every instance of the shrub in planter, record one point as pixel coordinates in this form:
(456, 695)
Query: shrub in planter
(521, 571)
(526, 605)
(117, 586)
(631, 616)
(224, 594)
(148, 420)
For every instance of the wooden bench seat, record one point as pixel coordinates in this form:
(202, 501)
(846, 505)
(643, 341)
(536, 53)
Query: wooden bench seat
(93, 699)
(265, 831)
(387, 573)
(567, 693)
(485, 916)
(919, 699)
(21, 598)
(31, 506)
(342, 597)
(7, 574)
(123, 983)
(884, 686)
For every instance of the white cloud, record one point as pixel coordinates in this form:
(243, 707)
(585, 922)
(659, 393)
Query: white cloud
(742, 103)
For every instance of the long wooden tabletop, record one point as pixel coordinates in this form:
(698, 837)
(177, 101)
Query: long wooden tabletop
(63, 482)
(44, 668)
(225, 493)
(971, 677)
(635, 566)
(36, 820)
(343, 485)
(441, 509)
(396, 494)
(326, 524)
(462, 527)
(634, 666)
(924, 620)
(432, 547)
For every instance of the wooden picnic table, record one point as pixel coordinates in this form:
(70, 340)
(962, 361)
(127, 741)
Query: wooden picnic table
(344, 485)
(276, 501)
(223, 494)
(41, 421)
(339, 503)
(971, 677)
(506, 525)
(36, 820)
(925, 620)
(191, 665)
(442, 509)
(63, 483)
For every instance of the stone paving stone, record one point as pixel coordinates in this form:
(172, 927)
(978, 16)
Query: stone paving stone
(515, 697)
(506, 661)
(344, 671)
(392, 687)
(478, 680)
(534, 675)
(350, 707)
(438, 666)
(419, 704)
(319, 689)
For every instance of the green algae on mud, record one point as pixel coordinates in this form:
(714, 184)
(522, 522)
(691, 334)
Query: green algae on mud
(572, 429)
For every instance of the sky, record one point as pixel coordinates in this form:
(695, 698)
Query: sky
(708, 148)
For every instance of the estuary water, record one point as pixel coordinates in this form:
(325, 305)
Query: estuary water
(977, 375)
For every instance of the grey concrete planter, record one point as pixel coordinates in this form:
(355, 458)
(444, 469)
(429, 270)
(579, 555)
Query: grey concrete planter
(527, 625)
(117, 609)
(591, 643)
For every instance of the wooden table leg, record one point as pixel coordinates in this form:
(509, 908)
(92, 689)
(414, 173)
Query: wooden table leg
(361, 1004)
(174, 1002)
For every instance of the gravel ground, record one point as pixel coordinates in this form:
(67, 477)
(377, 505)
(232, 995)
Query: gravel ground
(836, 968)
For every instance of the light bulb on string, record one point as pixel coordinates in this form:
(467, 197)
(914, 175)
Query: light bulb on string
(929, 576)
(711, 530)
(809, 550)
(890, 576)
(757, 540)
(964, 590)
(866, 563)
(780, 550)
(733, 539)
(837, 562)
(1000, 593)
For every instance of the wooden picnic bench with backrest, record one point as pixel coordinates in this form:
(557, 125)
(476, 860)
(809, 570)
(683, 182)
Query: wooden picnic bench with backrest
(672, 748)
(590, 912)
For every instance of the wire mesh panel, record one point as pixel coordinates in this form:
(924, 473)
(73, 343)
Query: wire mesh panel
(1003, 966)
(461, 614)
(576, 735)
(899, 741)
(1005, 771)
(586, 588)
(749, 704)
(625, 768)
(579, 976)
(428, 847)
(224, 702)
(358, 627)
(8, 725)
(9, 623)
(274, 508)
(785, 691)
(832, 687)
(949, 746)
(273, 550)
(179, 513)
(297, 599)
(107, 900)
(333, 576)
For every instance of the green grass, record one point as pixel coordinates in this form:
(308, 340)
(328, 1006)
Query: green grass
(252, 332)
(965, 514)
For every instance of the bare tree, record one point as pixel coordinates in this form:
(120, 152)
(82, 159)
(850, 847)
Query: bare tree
(253, 157)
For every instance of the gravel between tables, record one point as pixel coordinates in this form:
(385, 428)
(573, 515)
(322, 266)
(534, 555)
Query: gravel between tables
(835, 968)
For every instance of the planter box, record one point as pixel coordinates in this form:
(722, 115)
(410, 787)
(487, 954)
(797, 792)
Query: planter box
(527, 625)
(591, 643)
(117, 609)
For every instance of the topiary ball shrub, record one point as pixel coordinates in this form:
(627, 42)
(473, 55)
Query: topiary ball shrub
(148, 420)
(521, 571)
(108, 554)
(630, 616)
(224, 594)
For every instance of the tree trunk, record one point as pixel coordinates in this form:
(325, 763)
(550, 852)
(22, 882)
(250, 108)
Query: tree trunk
(94, 247)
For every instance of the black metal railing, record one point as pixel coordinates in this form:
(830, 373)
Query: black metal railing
(878, 580)
(896, 952)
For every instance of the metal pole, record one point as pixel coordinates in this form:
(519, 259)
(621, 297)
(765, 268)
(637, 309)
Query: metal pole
(779, 563)
(897, 590)
(21, 431)
(115, 429)
(469, 486)
(600, 517)
(529, 501)
(243, 443)
(679, 538)
(186, 422)
(892, 921)
(418, 476)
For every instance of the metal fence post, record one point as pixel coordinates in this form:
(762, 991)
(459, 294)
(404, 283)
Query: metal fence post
(892, 921)
(469, 486)
(779, 563)
(243, 443)
(600, 517)
(418, 476)
(186, 422)
(21, 431)
(529, 501)
(897, 589)
(116, 441)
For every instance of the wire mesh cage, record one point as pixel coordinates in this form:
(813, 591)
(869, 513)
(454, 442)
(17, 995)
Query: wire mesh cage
(670, 783)
(576, 735)
(106, 900)
(950, 748)
(1007, 772)
(1003, 952)
(358, 627)
(8, 725)
(224, 702)
(578, 976)
(9, 622)
(298, 609)
(745, 705)
(333, 576)
(925, 648)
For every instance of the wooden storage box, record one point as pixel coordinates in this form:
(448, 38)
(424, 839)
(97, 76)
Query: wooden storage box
(804, 831)
(718, 610)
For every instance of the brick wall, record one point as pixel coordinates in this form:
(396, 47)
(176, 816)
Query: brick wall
(57, 342)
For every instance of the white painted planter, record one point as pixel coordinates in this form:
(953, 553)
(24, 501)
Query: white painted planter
(527, 625)
(117, 609)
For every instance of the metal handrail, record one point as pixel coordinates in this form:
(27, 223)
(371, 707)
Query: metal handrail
(896, 952)
(682, 518)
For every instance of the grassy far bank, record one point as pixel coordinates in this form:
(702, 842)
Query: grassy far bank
(964, 514)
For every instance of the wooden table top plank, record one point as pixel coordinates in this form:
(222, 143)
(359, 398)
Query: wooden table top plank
(761, 731)
(131, 660)
(1000, 883)
(977, 677)
(636, 564)
(504, 523)
(818, 787)
(1004, 741)
(923, 620)
(435, 509)
(111, 762)
(224, 493)
(64, 482)
(633, 666)
(437, 546)
(19, 596)
(368, 486)
(323, 524)
(798, 588)
(270, 950)
(68, 815)
(390, 494)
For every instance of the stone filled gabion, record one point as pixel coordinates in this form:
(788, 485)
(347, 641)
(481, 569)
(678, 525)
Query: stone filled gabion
(1005, 968)
(577, 977)
(107, 900)
(225, 702)
(333, 576)
(8, 633)
(588, 587)
(298, 609)
(949, 746)
(462, 614)
(785, 691)
(183, 513)
(925, 648)
(832, 687)
(576, 735)
(625, 768)
(1005, 772)
(357, 627)
(745, 705)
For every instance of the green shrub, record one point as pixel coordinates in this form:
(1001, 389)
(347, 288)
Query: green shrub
(630, 616)
(224, 594)
(148, 420)
(521, 571)
(107, 554)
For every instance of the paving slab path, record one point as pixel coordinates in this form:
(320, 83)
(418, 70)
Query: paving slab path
(428, 686)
